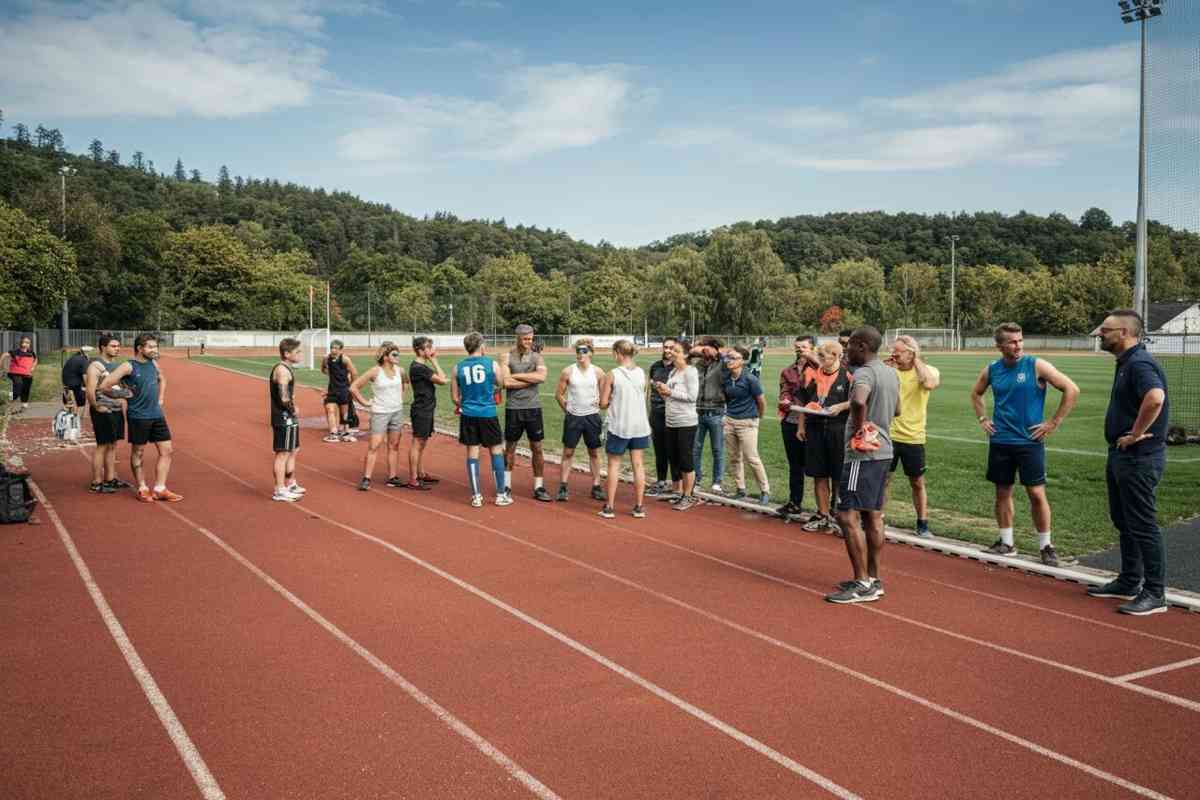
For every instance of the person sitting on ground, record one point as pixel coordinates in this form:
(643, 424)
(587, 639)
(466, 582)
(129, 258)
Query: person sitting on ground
(578, 394)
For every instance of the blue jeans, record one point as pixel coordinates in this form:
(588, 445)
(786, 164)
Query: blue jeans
(1132, 484)
(712, 423)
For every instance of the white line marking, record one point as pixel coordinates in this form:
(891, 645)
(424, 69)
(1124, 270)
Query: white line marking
(1069, 451)
(1146, 673)
(903, 693)
(204, 779)
(445, 716)
(579, 647)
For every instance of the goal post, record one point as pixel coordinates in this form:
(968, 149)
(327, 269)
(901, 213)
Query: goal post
(314, 343)
(930, 339)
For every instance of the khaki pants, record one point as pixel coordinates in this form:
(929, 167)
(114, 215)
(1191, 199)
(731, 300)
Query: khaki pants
(741, 448)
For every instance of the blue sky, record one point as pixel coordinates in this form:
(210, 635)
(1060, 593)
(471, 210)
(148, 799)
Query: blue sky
(620, 121)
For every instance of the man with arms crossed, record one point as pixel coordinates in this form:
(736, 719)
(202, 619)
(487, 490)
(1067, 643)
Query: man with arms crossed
(1017, 433)
(473, 393)
(523, 410)
(578, 394)
(340, 369)
(917, 380)
(285, 425)
(874, 402)
(659, 372)
(1136, 429)
(425, 374)
(107, 412)
(145, 419)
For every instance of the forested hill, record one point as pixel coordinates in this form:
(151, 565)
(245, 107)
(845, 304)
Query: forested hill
(178, 248)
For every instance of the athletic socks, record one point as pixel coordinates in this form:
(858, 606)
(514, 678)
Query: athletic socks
(501, 475)
(1006, 536)
(922, 525)
(537, 482)
(473, 475)
(1043, 540)
(160, 487)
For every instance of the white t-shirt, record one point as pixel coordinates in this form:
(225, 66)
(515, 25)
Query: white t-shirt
(627, 415)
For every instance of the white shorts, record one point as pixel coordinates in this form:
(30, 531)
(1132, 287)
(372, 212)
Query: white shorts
(383, 422)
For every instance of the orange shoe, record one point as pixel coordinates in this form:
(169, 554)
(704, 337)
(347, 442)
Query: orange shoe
(866, 439)
(145, 495)
(168, 496)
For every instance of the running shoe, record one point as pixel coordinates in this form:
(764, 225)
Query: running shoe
(332, 437)
(855, 593)
(1144, 604)
(101, 488)
(654, 489)
(168, 496)
(599, 494)
(539, 494)
(477, 501)
(364, 484)
(819, 522)
(844, 585)
(418, 486)
(395, 482)
(144, 495)
(1114, 589)
(668, 497)
(429, 479)
(639, 512)
(562, 493)
(1049, 557)
(685, 503)
(296, 488)
(607, 512)
(117, 483)
(284, 496)
(764, 499)
(923, 532)
(787, 509)
(717, 489)
(740, 494)
(507, 500)
(999, 548)
(349, 437)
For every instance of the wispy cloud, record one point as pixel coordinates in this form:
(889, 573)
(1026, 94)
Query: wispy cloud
(307, 16)
(489, 5)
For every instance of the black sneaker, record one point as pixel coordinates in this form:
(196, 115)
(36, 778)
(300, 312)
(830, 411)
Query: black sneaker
(740, 494)
(364, 484)
(540, 493)
(607, 513)
(877, 583)
(599, 494)
(1114, 589)
(117, 483)
(101, 488)
(787, 510)
(855, 593)
(999, 548)
(1145, 604)
(1049, 557)
(639, 512)
(562, 493)
(395, 483)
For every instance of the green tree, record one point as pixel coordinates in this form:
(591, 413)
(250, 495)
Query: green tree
(1034, 305)
(180, 173)
(1084, 292)
(984, 296)
(133, 297)
(746, 280)
(207, 271)
(857, 287)
(278, 290)
(96, 148)
(917, 293)
(37, 270)
(412, 303)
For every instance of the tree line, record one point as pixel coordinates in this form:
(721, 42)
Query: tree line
(144, 248)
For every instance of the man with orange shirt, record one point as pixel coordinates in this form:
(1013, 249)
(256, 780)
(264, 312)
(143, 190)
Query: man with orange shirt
(791, 398)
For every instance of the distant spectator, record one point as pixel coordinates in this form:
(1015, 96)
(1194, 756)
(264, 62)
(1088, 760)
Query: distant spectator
(20, 363)
(73, 395)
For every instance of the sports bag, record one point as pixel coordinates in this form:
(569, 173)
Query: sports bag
(66, 426)
(16, 501)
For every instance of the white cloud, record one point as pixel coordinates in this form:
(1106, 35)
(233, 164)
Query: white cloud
(301, 15)
(490, 5)
(144, 59)
(539, 109)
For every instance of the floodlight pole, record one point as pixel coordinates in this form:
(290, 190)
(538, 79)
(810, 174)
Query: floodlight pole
(1141, 295)
(953, 277)
(65, 320)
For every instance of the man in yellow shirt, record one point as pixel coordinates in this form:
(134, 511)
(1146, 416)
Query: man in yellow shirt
(917, 380)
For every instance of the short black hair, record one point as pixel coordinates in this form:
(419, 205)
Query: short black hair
(1129, 313)
(845, 333)
(743, 352)
(869, 336)
(419, 343)
(104, 338)
(807, 337)
(142, 339)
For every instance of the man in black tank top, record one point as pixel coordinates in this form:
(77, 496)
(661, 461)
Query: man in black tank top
(285, 425)
(340, 369)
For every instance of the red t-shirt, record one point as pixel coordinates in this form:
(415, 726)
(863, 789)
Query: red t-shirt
(21, 362)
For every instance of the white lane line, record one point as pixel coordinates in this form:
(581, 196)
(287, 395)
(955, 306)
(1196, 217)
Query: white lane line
(903, 693)
(579, 647)
(1146, 673)
(1069, 451)
(445, 716)
(205, 782)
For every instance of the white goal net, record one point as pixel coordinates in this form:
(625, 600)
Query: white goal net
(314, 343)
(930, 339)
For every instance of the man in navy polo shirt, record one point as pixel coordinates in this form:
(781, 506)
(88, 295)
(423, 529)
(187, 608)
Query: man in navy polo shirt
(1135, 427)
(744, 406)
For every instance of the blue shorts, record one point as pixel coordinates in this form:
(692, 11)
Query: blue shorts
(617, 445)
(1005, 461)
(586, 427)
(863, 486)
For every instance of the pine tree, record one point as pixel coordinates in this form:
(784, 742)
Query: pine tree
(114, 158)
(180, 175)
(96, 148)
(41, 137)
(57, 143)
(195, 176)
(224, 184)
(21, 134)
(138, 161)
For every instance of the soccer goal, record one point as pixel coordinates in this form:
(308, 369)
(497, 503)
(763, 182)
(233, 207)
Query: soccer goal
(930, 339)
(314, 343)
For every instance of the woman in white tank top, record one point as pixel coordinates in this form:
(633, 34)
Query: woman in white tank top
(387, 411)
(624, 395)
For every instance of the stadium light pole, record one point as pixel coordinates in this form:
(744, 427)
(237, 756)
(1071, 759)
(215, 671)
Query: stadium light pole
(953, 278)
(65, 320)
(1141, 11)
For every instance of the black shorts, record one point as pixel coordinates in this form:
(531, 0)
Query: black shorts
(520, 422)
(108, 428)
(825, 451)
(339, 397)
(863, 486)
(77, 393)
(483, 431)
(1005, 461)
(286, 438)
(422, 423)
(148, 431)
(912, 456)
(588, 427)
(681, 443)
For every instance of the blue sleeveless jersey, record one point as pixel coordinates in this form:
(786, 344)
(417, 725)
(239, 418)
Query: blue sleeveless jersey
(476, 385)
(1020, 402)
(143, 380)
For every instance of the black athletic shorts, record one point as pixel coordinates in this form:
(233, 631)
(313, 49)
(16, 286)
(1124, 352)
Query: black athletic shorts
(340, 397)
(588, 427)
(912, 456)
(422, 423)
(520, 422)
(148, 431)
(825, 450)
(108, 428)
(863, 486)
(1005, 461)
(483, 431)
(286, 438)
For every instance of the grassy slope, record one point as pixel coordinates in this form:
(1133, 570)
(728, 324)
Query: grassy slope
(960, 499)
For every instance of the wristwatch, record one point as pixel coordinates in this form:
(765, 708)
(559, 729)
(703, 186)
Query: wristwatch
(981, 418)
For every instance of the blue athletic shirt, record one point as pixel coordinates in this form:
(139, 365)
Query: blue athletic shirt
(1020, 401)
(143, 380)
(476, 385)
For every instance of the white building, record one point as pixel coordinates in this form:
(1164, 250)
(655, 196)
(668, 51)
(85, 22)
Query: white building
(1178, 317)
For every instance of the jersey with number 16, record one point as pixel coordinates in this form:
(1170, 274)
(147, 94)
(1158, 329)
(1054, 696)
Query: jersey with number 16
(476, 385)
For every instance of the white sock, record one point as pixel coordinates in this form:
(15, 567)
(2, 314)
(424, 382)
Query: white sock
(537, 483)
(1006, 536)
(160, 487)
(1043, 540)
(508, 478)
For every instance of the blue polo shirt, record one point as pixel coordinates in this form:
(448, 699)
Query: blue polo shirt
(1137, 374)
(740, 395)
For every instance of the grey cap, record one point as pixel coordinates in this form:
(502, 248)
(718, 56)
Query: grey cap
(524, 330)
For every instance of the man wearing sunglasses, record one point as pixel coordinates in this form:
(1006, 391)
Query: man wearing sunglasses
(578, 394)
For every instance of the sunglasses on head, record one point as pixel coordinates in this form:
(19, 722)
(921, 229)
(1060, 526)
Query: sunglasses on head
(394, 353)
(582, 350)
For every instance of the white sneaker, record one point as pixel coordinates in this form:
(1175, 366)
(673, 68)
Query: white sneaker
(284, 497)
(477, 501)
(504, 499)
(296, 488)
(716, 489)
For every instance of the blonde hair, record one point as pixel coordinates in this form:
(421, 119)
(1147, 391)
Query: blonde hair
(624, 347)
(910, 343)
(585, 341)
(382, 352)
(830, 349)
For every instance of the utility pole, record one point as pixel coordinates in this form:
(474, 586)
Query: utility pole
(65, 321)
(953, 270)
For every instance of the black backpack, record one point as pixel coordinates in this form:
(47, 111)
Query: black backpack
(16, 500)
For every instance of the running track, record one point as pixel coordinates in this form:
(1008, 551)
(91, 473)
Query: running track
(401, 644)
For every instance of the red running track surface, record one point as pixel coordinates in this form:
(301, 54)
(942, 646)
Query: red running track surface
(402, 644)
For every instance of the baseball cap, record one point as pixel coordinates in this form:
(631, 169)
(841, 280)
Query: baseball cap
(524, 330)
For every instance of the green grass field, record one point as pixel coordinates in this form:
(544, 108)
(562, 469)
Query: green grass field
(960, 499)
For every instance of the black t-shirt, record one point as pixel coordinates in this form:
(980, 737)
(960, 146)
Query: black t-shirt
(424, 390)
(74, 369)
(659, 372)
(339, 375)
